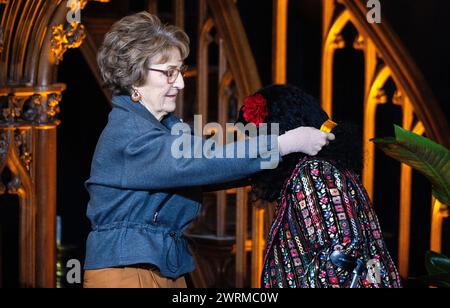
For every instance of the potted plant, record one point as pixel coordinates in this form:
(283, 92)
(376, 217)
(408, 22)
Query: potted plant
(433, 161)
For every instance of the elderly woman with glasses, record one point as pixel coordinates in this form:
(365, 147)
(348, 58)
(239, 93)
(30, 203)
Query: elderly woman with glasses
(142, 198)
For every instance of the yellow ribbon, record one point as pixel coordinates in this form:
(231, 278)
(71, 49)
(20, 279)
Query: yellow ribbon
(328, 126)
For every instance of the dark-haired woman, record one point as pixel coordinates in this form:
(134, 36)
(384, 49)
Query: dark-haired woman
(325, 232)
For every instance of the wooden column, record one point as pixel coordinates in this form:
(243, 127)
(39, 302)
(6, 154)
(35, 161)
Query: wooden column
(204, 39)
(280, 26)
(179, 20)
(241, 236)
(30, 153)
(45, 158)
(152, 6)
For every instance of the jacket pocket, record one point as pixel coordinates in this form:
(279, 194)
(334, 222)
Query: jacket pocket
(173, 256)
(159, 208)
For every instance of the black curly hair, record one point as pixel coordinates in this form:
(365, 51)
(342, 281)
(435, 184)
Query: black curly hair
(291, 107)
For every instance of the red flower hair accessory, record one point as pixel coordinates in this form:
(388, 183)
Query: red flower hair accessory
(255, 109)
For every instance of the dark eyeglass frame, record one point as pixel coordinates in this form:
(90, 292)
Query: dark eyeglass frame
(183, 69)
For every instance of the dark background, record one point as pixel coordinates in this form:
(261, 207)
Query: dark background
(422, 26)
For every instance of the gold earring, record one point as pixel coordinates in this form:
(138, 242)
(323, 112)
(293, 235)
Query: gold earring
(136, 96)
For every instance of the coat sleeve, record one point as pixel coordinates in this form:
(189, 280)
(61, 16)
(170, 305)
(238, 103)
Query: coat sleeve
(152, 161)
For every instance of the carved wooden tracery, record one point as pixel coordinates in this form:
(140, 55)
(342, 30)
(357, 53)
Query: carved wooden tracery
(386, 60)
(33, 38)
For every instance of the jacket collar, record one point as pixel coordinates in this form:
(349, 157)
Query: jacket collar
(126, 103)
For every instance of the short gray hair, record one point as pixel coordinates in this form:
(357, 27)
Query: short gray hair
(124, 56)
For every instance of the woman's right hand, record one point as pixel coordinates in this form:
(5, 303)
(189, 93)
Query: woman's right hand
(307, 140)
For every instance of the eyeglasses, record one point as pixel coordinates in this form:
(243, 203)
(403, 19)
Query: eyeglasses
(172, 73)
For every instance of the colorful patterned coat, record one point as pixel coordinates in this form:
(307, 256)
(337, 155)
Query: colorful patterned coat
(322, 209)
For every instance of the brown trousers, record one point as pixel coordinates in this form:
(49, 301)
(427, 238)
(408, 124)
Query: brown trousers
(129, 277)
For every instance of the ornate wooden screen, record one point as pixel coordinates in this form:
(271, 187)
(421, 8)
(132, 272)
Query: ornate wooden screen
(34, 37)
(385, 61)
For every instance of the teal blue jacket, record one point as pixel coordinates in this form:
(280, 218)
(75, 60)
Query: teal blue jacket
(142, 199)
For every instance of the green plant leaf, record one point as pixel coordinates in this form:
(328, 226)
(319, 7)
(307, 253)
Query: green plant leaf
(422, 154)
(438, 268)
(436, 263)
